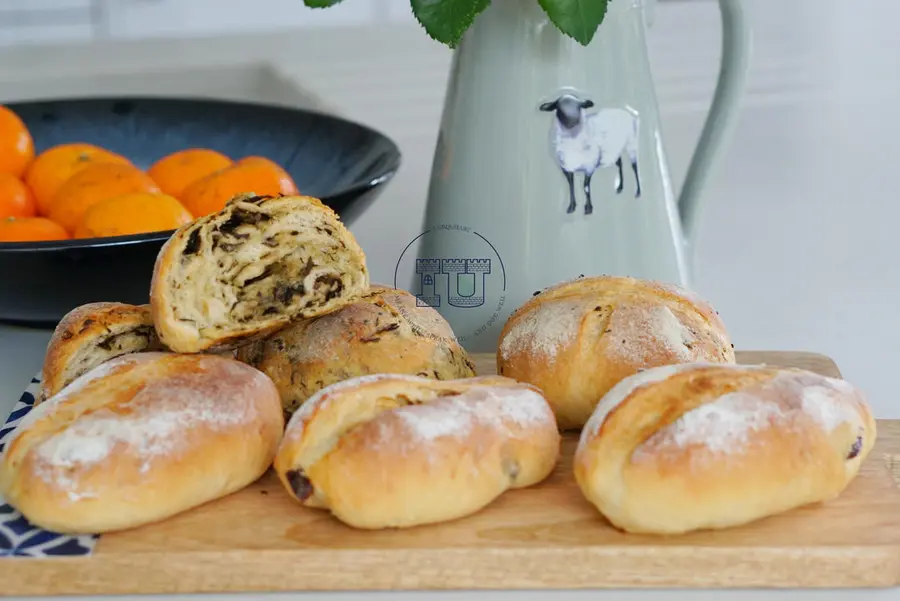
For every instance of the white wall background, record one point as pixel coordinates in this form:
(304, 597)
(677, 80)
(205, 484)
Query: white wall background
(40, 21)
(799, 240)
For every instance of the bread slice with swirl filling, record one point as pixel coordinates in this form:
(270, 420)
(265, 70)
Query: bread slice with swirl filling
(261, 262)
(93, 334)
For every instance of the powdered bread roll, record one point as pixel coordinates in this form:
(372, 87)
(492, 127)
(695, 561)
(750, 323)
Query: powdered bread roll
(396, 451)
(250, 269)
(577, 339)
(681, 448)
(383, 332)
(93, 334)
(141, 438)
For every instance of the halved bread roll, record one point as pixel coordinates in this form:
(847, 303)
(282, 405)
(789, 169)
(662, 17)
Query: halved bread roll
(250, 269)
(701, 446)
(139, 439)
(385, 331)
(93, 334)
(393, 451)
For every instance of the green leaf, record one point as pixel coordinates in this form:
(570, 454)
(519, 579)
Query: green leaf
(578, 19)
(320, 3)
(447, 20)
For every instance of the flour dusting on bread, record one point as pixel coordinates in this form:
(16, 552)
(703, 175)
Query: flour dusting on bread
(148, 433)
(685, 294)
(457, 415)
(726, 424)
(41, 410)
(544, 329)
(522, 406)
(641, 330)
(145, 426)
(822, 402)
(723, 426)
(433, 421)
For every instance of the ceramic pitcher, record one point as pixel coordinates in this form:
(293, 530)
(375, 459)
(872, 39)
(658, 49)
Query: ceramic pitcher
(550, 165)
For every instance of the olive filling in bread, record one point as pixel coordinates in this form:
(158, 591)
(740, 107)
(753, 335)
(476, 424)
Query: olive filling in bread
(252, 268)
(124, 341)
(93, 334)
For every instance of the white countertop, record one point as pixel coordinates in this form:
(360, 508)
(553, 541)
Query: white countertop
(798, 242)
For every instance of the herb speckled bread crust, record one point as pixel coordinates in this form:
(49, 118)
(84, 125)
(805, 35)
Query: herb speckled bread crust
(261, 262)
(382, 332)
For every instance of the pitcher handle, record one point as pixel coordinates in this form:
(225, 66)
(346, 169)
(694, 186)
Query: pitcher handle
(736, 50)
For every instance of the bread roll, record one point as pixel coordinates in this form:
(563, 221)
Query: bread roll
(141, 438)
(250, 269)
(577, 339)
(394, 451)
(383, 332)
(689, 447)
(93, 334)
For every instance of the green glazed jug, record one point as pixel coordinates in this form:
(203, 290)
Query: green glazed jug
(550, 165)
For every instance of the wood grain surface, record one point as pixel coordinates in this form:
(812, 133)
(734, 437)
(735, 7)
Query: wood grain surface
(546, 537)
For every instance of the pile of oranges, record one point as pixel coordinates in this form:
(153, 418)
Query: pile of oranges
(80, 190)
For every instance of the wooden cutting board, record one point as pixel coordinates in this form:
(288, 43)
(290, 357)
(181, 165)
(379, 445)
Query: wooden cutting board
(546, 537)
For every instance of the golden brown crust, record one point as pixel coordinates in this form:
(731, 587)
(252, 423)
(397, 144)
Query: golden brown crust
(382, 332)
(577, 339)
(700, 446)
(393, 451)
(92, 334)
(140, 438)
(236, 276)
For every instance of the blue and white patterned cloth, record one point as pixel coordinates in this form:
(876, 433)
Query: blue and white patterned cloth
(18, 538)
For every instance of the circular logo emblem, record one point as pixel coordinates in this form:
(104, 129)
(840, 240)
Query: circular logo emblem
(459, 273)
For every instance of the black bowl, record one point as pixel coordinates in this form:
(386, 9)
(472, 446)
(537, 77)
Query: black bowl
(345, 164)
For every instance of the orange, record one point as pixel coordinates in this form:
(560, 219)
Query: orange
(54, 166)
(93, 184)
(16, 144)
(135, 213)
(262, 163)
(16, 199)
(255, 175)
(30, 229)
(175, 172)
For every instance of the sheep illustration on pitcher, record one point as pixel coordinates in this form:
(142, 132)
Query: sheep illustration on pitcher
(583, 142)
